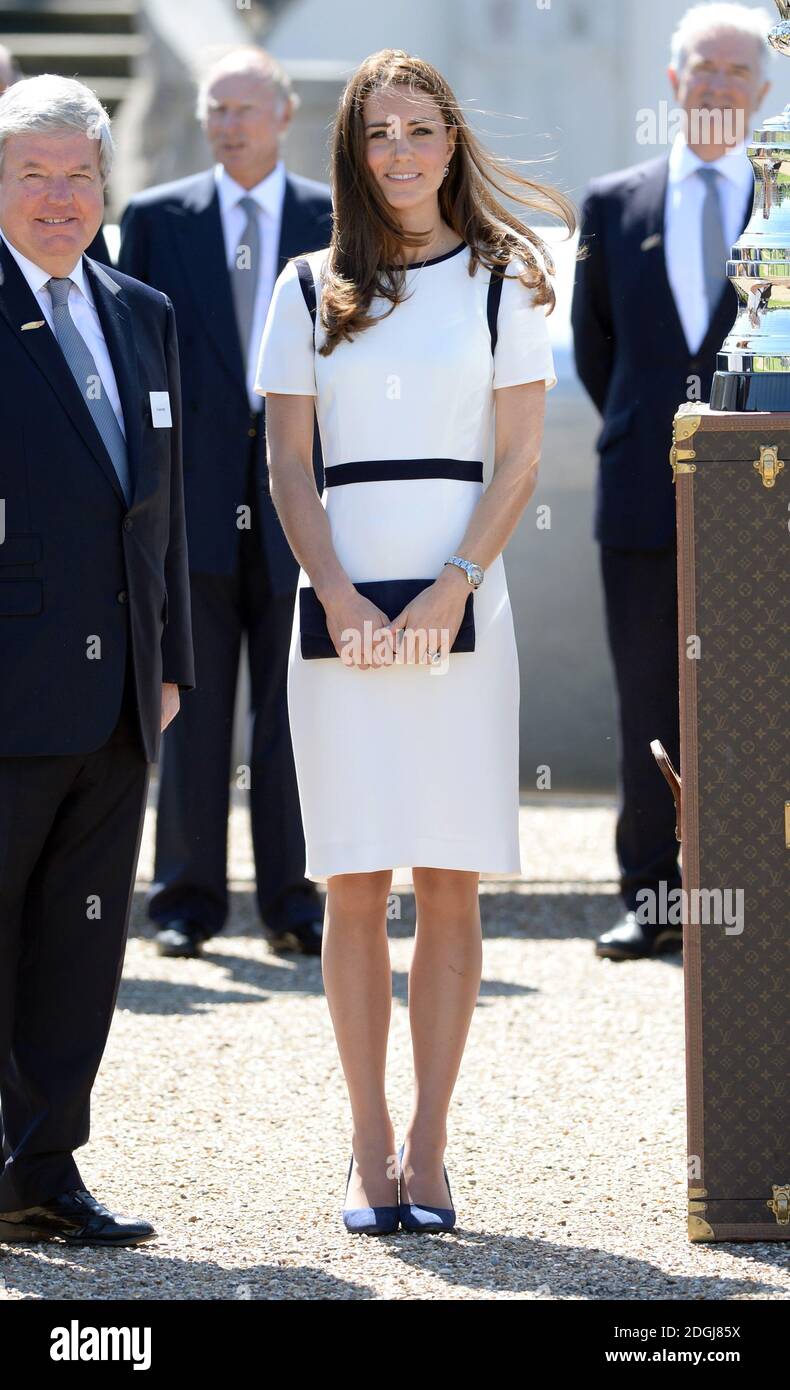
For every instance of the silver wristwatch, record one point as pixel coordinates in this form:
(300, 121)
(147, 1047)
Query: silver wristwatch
(473, 573)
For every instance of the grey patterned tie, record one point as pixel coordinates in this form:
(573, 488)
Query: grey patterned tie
(715, 252)
(83, 368)
(244, 274)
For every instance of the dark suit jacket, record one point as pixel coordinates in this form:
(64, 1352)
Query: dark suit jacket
(631, 352)
(98, 249)
(172, 238)
(76, 563)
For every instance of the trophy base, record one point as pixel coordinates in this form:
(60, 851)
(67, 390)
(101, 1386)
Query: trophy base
(750, 391)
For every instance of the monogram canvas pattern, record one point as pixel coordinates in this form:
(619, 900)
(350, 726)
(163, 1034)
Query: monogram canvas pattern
(741, 612)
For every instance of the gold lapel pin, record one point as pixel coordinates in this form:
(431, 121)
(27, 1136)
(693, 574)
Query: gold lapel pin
(34, 323)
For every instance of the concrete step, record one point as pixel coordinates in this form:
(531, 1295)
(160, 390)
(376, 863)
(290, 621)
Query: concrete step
(80, 55)
(64, 16)
(92, 45)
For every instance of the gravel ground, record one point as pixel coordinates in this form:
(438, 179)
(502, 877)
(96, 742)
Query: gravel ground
(220, 1114)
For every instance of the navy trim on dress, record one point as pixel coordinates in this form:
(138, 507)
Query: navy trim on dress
(433, 260)
(307, 286)
(492, 306)
(394, 470)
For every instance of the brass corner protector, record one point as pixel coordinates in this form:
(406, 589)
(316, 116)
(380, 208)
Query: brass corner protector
(686, 421)
(769, 465)
(683, 427)
(699, 1228)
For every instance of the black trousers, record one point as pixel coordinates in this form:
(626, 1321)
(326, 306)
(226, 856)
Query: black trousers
(640, 588)
(190, 869)
(70, 831)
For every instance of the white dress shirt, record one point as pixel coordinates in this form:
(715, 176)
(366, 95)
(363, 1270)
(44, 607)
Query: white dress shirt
(683, 226)
(269, 195)
(83, 312)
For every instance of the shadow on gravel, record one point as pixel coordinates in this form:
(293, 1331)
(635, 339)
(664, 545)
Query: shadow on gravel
(534, 912)
(486, 1263)
(528, 915)
(142, 1274)
(522, 1265)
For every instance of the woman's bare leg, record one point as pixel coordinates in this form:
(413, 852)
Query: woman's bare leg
(444, 982)
(357, 973)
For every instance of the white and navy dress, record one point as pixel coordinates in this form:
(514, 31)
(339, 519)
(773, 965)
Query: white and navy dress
(406, 765)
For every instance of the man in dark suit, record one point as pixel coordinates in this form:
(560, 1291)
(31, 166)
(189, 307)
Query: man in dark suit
(651, 308)
(95, 639)
(215, 243)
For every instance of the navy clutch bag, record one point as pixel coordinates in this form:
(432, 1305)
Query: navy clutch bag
(391, 596)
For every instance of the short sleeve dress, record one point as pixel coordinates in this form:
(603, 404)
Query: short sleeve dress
(409, 765)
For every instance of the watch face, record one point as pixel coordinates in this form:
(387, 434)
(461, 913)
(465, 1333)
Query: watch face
(476, 575)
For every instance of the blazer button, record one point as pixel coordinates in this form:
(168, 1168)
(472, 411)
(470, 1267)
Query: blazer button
(128, 524)
(123, 597)
(252, 433)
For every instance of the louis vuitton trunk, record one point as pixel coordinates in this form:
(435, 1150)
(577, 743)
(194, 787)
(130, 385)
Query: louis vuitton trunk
(732, 478)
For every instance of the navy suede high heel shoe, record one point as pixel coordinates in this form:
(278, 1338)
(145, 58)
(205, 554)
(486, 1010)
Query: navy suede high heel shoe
(426, 1219)
(370, 1221)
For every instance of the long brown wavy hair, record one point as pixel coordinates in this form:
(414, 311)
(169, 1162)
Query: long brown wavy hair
(367, 238)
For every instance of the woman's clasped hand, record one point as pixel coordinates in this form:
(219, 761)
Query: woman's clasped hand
(421, 633)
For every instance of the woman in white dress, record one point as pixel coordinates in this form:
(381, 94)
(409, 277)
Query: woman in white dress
(429, 398)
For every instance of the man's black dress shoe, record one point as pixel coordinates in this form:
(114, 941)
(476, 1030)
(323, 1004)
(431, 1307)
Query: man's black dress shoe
(631, 940)
(181, 938)
(295, 922)
(303, 936)
(75, 1217)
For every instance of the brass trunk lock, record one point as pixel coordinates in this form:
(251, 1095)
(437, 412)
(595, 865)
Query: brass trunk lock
(780, 1204)
(769, 465)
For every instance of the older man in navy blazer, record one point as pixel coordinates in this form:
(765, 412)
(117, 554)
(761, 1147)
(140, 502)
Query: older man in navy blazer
(95, 639)
(215, 243)
(651, 307)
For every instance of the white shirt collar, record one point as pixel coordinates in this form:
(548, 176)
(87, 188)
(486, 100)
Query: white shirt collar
(268, 194)
(733, 164)
(37, 278)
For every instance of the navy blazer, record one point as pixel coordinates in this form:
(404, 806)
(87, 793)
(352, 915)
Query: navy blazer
(77, 564)
(98, 249)
(631, 352)
(171, 237)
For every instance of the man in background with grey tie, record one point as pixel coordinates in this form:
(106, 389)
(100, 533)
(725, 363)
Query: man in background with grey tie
(95, 642)
(215, 243)
(651, 308)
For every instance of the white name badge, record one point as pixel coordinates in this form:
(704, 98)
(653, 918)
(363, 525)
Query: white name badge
(160, 409)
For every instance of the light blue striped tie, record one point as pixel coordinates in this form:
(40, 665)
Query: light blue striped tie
(244, 274)
(714, 248)
(83, 369)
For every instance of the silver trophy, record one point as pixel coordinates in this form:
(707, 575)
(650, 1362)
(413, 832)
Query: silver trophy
(753, 367)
